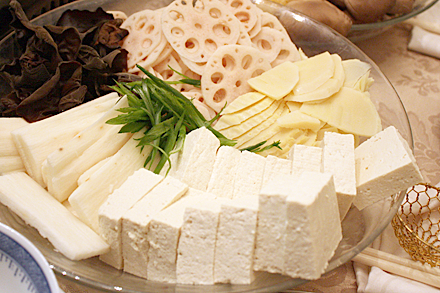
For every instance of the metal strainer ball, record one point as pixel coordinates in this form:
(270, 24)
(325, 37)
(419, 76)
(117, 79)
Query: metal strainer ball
(417, 224)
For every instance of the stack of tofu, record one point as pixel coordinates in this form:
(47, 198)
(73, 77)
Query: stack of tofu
(220, 214)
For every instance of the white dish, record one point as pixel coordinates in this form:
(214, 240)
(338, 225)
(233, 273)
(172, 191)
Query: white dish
(23, 267)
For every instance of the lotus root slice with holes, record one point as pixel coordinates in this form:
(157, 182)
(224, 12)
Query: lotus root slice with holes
(195, 32)
(245, 11)
(145, 34)
(269, 41)
(227, 71)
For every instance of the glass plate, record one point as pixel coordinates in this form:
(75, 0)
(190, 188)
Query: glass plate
(359, 228)
(364, 31)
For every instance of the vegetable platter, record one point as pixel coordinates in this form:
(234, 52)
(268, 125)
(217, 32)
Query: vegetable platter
(359, 228)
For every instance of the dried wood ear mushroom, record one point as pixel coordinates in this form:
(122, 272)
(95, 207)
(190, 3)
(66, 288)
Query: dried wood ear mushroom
(324, 12)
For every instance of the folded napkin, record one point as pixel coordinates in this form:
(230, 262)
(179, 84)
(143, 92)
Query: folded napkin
(375, 280)
(425, 35)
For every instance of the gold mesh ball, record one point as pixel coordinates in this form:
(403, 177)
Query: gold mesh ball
(417, 224)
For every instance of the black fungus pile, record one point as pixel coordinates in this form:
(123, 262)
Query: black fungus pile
(57, 67)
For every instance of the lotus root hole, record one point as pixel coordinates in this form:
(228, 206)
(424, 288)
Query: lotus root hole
(236, 4)
(221, 30)
(246, 61)
(264, 45)
(210, 45)
(140, 24)
(257, 72)
(198, 26)
(219, 95)
(215, 13)
(238, 83)
(191, 44)
(147, 43)
(176, 16)
(149, 29)
(177, 32)
(228, 62)
(217, 77)
(242, 16)
(283, 55)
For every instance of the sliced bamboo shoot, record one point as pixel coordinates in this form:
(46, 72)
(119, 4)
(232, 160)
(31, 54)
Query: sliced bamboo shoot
(350, 110)
(39, 209)
(7, 125)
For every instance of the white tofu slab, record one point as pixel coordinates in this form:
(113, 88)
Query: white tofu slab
(234, 249)
(163, 238)
(136, 223)
(275, 167)
(385, 165)
(338, 159)
(196, 161)
(117, 204)
(222, 179)
(271, 228)
(248, 175)
(306, 158)
(313, 229)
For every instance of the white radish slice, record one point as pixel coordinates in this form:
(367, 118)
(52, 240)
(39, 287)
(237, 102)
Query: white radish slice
(269, 41)
(245, 11)
(145, 34)
(227, 71)
(195, 32)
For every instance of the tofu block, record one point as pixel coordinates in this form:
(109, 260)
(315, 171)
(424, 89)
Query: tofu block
(234, 251)
(313, 229)
(222, 179)
(136, 223)
(338, 159)
(306, 158)
(117, 204)
(198, 235)
(275, 167)
(385, 165)
(35, 206)
(249, 175)
(271, 229)
(196, 161)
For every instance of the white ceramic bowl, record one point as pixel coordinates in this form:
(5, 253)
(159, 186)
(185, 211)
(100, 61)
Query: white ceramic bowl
(360, 228)
(23, 268)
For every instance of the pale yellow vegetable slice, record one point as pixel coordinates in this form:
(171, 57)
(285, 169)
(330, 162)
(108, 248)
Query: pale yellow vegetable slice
(236, 118)
(276, 82)
(349, 110)
(238, 130)
(287, 138)
(330, 87)
(293, 106)
(314, 72)
(354, 71)
(282, 110)
(243, 101)
(297, 119)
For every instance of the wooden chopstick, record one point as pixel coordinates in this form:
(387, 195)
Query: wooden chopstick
(400, 266)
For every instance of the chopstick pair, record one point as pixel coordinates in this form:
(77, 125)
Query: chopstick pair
(399, 266)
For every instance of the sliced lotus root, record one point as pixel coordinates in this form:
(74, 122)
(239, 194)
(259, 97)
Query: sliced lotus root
(246, 12)
(197, 67)
(269, 41)
(271, 21)
(244, 38)
(197, 100)
(288, 52)
(256, 29)
(195, 32)
(118, 14)
(227, 72)
(145, 34)
(157, 55)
